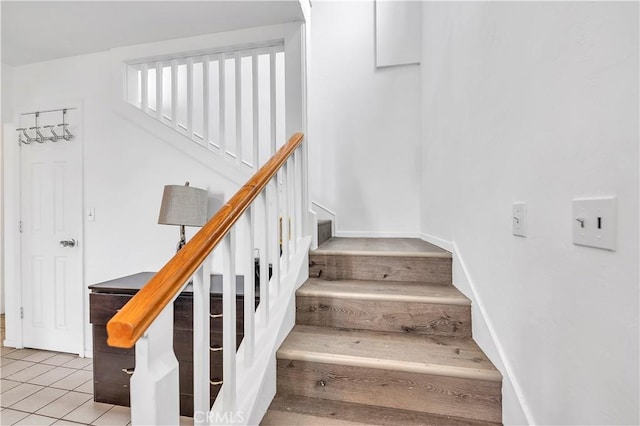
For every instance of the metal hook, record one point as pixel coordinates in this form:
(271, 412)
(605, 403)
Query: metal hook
(40, 137)
(28, 139)
(66, 134)
(55, 136)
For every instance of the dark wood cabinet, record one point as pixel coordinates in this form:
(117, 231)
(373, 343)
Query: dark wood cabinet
(113, 367)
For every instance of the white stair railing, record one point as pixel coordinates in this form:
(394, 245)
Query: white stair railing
(268, 198)
(230, 101)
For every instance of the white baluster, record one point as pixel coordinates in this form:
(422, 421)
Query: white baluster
(249, 289)
(206, 98)
(174, 94)
(155, 381)
(159, 90)
(298, 191)
(273, 226)
(201, 341)
(272, 100)
(264, 261)
(221, 84)
(190, 97)
(144, 92)
(285, 218)
(256, 109)
(291, 174)
(238, 81)
(229, 321)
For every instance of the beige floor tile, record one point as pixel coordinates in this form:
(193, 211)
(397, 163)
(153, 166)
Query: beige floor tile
(5, 385)
(88, 412)
(9, 416)
(186, 421)
(14, 367)
(20, 353)
(52, 376)
(29, 372)
(87, 387)
(64, 405)
(18, 393)
(66, 423)
(6, 350)
(117, 416)
(73, 380)
(88, 366)
(34, 402)
(6, 361)
(78, 363)
(59, 359)
(40, 356)
(34, 420)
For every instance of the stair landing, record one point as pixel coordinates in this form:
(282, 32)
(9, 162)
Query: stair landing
(412, 247)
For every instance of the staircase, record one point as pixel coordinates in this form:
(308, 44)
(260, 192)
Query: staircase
(383, 337)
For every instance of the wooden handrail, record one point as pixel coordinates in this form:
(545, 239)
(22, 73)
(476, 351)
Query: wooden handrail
(130, 323)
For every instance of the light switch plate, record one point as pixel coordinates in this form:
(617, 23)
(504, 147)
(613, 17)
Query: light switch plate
(595, 222)
(91, 215)
(519, 219)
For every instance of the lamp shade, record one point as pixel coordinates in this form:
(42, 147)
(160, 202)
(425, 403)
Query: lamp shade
(183, 205)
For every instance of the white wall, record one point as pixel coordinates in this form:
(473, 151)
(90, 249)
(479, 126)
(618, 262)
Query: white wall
(364, 126)
(125, 169)
(538, 102)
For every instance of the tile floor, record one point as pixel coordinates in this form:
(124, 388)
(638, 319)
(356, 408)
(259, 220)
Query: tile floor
(51, 388)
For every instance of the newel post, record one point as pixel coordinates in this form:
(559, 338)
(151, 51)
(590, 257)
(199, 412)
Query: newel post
(155, 381)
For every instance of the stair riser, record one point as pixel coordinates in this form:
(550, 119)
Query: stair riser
(470, 398)
(380, 315)
(434, 270)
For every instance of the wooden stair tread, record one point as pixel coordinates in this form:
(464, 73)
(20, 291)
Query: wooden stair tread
(436, 355)
(397, 291)
(408, 247)
(292, 409)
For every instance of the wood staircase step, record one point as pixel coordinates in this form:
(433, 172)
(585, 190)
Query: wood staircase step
(300, 410)
(380, 259)
(433, 374)
(406, 307)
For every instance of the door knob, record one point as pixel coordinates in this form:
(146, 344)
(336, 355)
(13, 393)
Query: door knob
(68, 243)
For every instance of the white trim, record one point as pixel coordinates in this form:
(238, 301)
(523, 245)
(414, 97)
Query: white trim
(503, 364)
(437, 241)
(12, 250)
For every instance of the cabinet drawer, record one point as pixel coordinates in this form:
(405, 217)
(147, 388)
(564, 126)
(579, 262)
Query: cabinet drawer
(111, 393)
(103, 306)
(109, 368)
(100, 343)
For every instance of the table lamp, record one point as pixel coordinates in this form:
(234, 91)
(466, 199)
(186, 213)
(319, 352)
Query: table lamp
(183, 206)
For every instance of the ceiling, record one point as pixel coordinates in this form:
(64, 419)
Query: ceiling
(35, 31)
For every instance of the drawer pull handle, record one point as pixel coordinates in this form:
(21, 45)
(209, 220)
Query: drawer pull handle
(215, 315)
(128, 371)
(215, 383)
(216, 349)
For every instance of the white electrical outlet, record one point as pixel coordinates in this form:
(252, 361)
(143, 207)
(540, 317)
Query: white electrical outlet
(519, 219)
(595, 222)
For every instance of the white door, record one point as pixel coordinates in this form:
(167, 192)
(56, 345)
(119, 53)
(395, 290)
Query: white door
(51, 213)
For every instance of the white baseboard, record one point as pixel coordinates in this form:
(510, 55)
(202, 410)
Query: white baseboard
(514, 406)
(440, 242)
